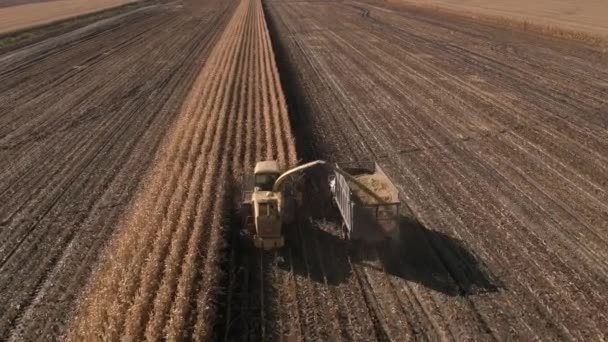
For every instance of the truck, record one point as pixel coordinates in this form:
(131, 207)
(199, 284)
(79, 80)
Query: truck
(365, 216)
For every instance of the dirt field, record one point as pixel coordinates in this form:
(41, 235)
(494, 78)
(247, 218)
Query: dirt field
(582, 15)
(123, 146)
(497, 141)
(81, 118)
(17, 15)
(9, 3)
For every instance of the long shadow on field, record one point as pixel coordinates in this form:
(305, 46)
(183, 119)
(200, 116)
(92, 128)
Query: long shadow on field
(316, 250)
(432, 259)
(436, 260)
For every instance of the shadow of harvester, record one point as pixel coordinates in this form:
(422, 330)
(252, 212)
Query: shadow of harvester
(436, 260)
(433, 259)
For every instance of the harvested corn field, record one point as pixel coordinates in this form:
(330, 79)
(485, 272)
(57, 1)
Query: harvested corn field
(582, 15)
(497, 142)
(81, 118)
(19, 15)
(123, 147)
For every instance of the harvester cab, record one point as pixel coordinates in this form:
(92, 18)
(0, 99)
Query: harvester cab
(265, 174)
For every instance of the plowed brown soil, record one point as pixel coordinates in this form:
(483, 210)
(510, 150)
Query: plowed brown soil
(497, 142)
(81, 118)
(168, 286)
(583, 15)
(21, 16)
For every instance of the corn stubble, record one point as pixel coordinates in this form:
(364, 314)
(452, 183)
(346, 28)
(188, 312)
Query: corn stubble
(160, 274)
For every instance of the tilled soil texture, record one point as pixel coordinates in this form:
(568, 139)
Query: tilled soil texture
(21, 16)
(81, 118)
(9, 3)
(582, 15)
(164, 274)
(497, 141)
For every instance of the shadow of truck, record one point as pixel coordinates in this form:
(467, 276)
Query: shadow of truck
(420, 255)
(436, 260)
